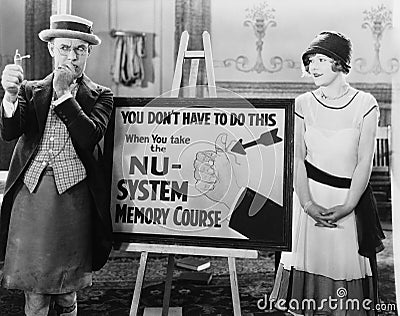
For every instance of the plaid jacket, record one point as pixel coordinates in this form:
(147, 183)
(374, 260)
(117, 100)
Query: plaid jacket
(86, 117)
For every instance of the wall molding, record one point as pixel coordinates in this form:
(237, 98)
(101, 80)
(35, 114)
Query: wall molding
(381, 91)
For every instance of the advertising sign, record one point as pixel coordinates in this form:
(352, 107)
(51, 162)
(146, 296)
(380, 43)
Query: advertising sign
(213, 172)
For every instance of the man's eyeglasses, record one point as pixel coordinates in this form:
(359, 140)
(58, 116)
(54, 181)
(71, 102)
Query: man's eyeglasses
(79, 51)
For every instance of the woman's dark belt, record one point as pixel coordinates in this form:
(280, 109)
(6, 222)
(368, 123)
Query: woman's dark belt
(369, 230)
(323, 177)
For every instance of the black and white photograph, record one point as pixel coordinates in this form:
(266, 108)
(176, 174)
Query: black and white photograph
(199, 157)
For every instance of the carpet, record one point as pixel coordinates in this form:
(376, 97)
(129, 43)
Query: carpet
(255, 278)
(112, 289)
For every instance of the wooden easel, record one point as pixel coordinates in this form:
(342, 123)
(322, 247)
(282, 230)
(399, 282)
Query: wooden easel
(171, 250)
(194, 56)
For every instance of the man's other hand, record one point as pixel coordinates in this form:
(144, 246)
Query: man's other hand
(63, 78)
(11, 80)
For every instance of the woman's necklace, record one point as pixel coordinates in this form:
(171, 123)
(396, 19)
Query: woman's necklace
(325, 97)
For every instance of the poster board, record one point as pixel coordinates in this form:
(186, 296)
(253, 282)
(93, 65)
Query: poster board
(202, 172)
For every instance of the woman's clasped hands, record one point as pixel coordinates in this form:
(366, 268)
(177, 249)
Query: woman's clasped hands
(328, 217)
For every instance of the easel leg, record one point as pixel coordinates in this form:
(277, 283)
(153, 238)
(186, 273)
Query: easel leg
(168, 285)
(278, 255)
(234, 286)
(194, 70)
(138, 284)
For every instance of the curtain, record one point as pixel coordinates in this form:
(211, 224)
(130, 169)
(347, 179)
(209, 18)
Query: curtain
(37, 18)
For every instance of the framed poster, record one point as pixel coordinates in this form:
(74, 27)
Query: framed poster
(205, 172)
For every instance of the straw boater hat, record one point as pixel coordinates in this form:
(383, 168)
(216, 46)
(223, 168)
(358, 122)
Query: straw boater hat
(70, 26)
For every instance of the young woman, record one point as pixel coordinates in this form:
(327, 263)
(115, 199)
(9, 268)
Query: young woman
(325, 274)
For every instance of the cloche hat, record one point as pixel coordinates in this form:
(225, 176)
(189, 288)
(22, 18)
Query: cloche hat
(70, 26)
(331, 44)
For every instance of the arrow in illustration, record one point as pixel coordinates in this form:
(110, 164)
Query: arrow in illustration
(266, 139)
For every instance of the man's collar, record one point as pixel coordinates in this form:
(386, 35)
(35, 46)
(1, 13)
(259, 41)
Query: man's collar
(79, 79)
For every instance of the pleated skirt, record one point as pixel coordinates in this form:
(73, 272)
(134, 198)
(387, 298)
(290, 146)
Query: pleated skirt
(324, 274)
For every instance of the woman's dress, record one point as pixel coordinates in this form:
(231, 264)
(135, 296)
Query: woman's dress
(324, 274)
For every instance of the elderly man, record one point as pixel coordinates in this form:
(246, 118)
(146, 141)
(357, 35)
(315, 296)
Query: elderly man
(55, 227)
